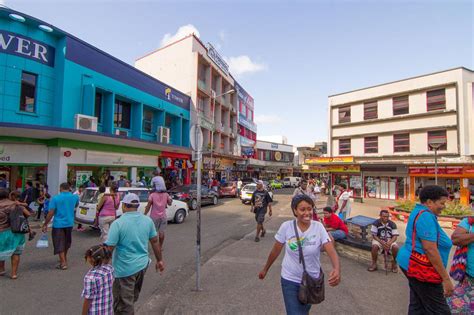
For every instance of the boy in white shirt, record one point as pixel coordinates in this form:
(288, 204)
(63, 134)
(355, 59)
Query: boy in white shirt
(157, 182)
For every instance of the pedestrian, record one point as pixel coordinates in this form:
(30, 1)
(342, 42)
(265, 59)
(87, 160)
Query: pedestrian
(157, 202)
(260, 201)
(90, 182)
(418, 190)
(344, 202)
(303, 189)
(122, 181)
(158, 182)
(11, 244)
(385, 233)
(47, 199)
(40, 202)
(130, 253)
(312, 239)
(15, 196)
(98, 281)
(239, 186)
(62, 207)
(334, 225)
(424, 256)
(107, 211)
(3, 181)
(27, 195)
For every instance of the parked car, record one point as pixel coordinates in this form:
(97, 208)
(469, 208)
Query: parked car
(228, 190)
(275, 184)
(247, 192)
(188, 194)
(291, 181)
(86, 212)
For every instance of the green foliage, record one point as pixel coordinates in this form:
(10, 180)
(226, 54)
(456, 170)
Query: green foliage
(405, 205)
(453, 208)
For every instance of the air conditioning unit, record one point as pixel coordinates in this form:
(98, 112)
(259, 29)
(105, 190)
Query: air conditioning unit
(122, 133)
(164, 135)
(84, 122)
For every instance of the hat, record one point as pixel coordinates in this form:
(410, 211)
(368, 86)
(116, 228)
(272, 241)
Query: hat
(130, 199)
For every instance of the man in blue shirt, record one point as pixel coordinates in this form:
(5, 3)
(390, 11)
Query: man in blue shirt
(62, 207)
(128, 239)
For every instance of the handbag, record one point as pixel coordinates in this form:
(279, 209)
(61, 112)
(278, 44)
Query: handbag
(459, 263)
(419, 266)
(18, 222)
(311, 289)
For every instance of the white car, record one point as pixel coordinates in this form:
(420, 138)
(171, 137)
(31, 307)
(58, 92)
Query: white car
(291, 181)
(86, 211)
(247, 191)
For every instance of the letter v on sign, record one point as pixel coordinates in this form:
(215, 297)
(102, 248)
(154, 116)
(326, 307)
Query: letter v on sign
(4, 44)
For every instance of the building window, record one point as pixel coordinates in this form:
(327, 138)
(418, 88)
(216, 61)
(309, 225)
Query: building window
(344, 114)
(28, 92)
(98, 107)
(122, 114)
(400, 105)
(401, 142)
(268, 155)
(371, 144)
(370, 110)
(168, 120)
(200, 103)
(147, 120)
(436, 99)
(344, 146)
(438, 135)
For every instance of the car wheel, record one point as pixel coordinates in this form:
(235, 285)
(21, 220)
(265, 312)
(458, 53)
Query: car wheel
(194, 204)
(214, 200)
(243, 201)
(179, 216)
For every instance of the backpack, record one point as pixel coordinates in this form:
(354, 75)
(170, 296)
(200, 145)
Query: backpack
(18, 222)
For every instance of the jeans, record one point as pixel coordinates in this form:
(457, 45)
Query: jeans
(290, 296)
(338, 234)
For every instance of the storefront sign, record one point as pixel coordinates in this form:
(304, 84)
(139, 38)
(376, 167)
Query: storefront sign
(248, 151)
(244, 97)
(26, 47)
(105, 158)
(82, 177)
(449, 170)
(469, 169)
(417, 170)
(332, 168)
(23, 153)
(172, 96)
(246, 142)
(218, 60)
(330, 160)
(278, 156)
(206, 123)
(247, 123)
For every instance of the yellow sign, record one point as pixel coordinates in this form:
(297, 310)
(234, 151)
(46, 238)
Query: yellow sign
(278, 156)
(332, 169)
(330, 160)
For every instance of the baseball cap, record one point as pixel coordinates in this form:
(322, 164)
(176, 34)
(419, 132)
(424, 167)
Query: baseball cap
(131, 199)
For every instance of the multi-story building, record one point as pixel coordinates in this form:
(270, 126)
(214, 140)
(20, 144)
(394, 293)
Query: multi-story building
(216, 97)
(69, 111)
(304, 153)
(382, 138)
(274, 160)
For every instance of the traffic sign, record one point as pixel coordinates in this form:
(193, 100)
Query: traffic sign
(196, 138)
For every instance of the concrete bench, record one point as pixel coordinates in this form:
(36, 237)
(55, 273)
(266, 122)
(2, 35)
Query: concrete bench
(360, 251)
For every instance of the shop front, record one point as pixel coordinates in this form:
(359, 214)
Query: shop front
(176, 168)
(220, 168)
(388, 182)
(21, 163)
(456, 178)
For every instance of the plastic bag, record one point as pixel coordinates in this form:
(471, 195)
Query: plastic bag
(43, 241)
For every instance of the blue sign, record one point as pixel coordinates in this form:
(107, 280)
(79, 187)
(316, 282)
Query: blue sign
(274, 146)
(26, 47)
(246, 123)
(244, 97)
(248, 151)
(246, 142)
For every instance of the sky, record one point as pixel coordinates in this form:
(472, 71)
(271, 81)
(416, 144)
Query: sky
(289, 55)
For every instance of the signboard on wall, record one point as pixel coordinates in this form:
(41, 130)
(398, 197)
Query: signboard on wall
(216, 57)
(21, 153)
(329, 160)
(105, 158)
(332, 168)
(82, 177)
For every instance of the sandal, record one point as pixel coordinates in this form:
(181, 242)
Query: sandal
(257, 239)
(372, 268)
(263, 233)
(395, 269)
(61, 267)
(14, 277)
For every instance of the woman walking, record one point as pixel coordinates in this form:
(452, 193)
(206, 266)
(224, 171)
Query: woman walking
(106, 208)
(11, 244)
(312, 239)
(424, 256)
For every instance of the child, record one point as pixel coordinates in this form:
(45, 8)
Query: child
(98, 281)
(158, 182)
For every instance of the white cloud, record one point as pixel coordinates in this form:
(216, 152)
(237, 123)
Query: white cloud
(243, 64)
(182, 32)
(3, 2)
(268, 119)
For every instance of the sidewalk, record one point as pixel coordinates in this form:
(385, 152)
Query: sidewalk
(231, 286)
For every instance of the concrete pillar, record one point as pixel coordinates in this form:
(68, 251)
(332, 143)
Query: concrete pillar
(109, 107)
(88, 100)
(137, 119)
(57, 170)
(133, 174)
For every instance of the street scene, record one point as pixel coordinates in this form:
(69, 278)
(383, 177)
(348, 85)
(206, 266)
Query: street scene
(228, 157)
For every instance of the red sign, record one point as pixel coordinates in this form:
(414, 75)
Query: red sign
(67, 153)
(454, 170)
(417, 170)
(431, 170)
(469, 169)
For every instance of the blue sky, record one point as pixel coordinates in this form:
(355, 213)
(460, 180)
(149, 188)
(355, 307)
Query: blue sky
(290, 56)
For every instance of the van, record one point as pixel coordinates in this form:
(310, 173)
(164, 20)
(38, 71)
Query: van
(86, 211)
(291, 181)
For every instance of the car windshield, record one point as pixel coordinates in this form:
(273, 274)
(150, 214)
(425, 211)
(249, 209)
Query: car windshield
(250, 188)
(89, 196)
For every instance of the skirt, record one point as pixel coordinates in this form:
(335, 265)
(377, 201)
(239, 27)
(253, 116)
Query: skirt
(462, 300)
(11, 244)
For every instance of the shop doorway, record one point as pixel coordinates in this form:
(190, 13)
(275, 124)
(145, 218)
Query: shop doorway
(18, 175)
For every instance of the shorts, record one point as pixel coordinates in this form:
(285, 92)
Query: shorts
(160, 224)
(62, 239)
(260, 215)
(376, 243)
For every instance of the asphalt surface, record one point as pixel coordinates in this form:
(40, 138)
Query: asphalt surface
(41, 289)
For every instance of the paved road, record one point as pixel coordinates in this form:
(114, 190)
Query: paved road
(58, 292)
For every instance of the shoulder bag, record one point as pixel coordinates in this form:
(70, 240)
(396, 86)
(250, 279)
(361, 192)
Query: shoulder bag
(419, 266)
(459, 263)
(311, 289)
(18, 222)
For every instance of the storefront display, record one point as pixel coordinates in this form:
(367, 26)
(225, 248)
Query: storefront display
(176, 168)
(380, 187)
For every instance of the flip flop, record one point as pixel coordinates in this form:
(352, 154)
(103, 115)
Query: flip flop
(372, 269)
(395, 269)
(14, 277)
(59, 267)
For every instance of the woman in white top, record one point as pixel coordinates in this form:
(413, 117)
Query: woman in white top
(313, 238)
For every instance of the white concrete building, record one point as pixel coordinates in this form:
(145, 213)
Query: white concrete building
(273, 160)
(387, 128)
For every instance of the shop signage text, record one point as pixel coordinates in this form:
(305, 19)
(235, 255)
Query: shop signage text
(244, 97)
(172, 96)
(442, 170)
(246, 142)
(274, 146)
(219, 61)
(329, 160)
(332, 168)
(247, 123)
(106, 158)
(206, 123)
(19, 45)
(18, 153)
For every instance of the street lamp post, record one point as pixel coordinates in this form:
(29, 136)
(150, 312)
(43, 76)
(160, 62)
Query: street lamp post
(435, 144)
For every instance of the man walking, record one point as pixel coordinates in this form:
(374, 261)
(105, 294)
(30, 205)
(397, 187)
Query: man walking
(62, 207)
(344, 202)
(128, 239)
(303, 189)
(27, 195)
(260, 201)
(157, 202)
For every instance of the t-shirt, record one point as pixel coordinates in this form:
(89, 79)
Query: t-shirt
(260, 200)
(64, 206)
(28, 194)
(159, 183)
(427, 228)
(334, 222)
(345, 196)
(384, 231)
(311, 241)
(159, 203)
(108, 208)
(130, 235)
(470, 248)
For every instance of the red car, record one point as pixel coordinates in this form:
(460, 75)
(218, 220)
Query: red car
(228, 190)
